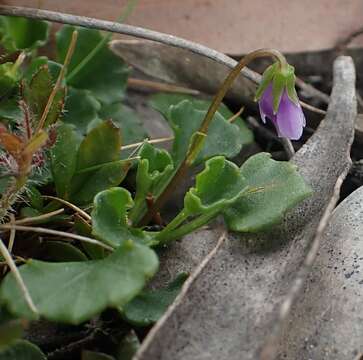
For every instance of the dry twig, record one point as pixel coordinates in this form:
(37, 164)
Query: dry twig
(19, 280)
(56, 233)
(151, 141)
(32, 219)
(70, 205)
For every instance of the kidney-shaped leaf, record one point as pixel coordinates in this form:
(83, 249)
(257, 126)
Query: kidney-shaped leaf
(274, 188)
(109, 217)
(217, 186)
(73, 292)
(163, 103)
(223, 137)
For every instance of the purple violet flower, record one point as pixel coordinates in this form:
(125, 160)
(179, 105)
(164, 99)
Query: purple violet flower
(289, 119)
(278, 101)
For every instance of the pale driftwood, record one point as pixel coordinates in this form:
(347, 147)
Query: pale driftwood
(230, 310)
(269, 349)
(181, 67)
(185, 255)
(327, 321)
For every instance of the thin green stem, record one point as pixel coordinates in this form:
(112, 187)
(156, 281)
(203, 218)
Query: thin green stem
(179, 219)
(125, 14)
(166, 238)
(197, 141)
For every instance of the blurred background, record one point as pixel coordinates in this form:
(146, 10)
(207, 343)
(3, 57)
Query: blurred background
(233, 26)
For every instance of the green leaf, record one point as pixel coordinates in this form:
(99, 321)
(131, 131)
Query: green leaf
(154, 168)
(94, 252)
(127, 120)
(98, 165)
(217, 186)
(9, 76)
(37, 63)
(10, 110)
(35, 198)
(104, 177)
(275, 187)
(21, 33)
(73, 292)
(109, 218)
(81, 110)
(163, 103)
(37, 95)
(11, 329)
(105, 75)
(59, 251)
(64, 159)
(150, 305)
(22, 350)
(93, 355)
(101, 145)
(27, 211)
(82, 169)
(128, 347)
(187, 120)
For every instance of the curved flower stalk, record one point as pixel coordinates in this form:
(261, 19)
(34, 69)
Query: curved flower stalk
(278, 101)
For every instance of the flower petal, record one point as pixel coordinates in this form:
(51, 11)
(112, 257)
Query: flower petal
(290, 118)
(265, 104)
